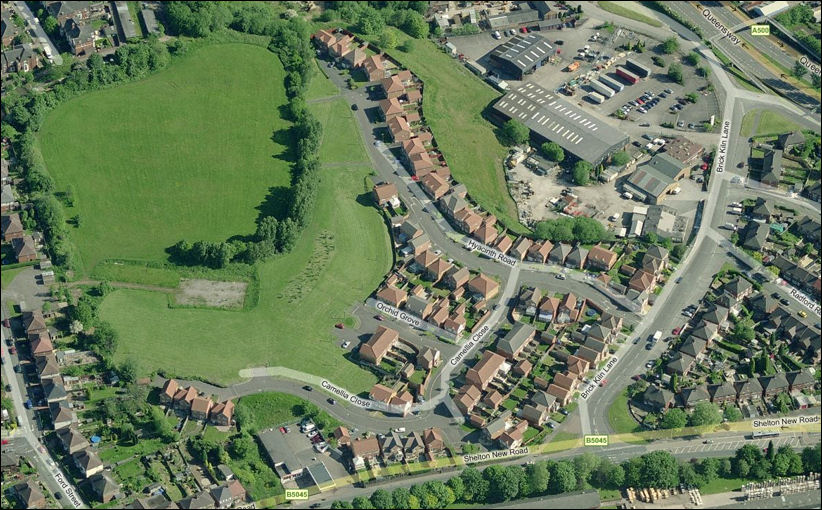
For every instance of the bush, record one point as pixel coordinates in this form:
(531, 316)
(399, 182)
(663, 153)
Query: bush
(514, 132)
(553, 151)
(670, 45)
(582, 172)
(675, 73)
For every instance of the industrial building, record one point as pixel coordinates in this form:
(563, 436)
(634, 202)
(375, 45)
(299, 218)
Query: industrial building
(522, 54)
(654, 179)
(553, 119)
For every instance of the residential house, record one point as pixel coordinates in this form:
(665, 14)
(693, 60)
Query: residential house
(392, 295)
(600, 332)
(503, 243)
(103, 487)
(483, 287)
(419, 306)
(200, 500)
(437, 269)
(399, 129)
(566, 380)
(774, 384)
(559, 253)
(808, 229)
(748, 390)
(24, 250)
(71, 440)
(693, 396)
(642, 281)
(593, 357)
(80, 36)
(680, 364)
(30, 495)
(391, 108)
(567, 309)
(576, 259)
(601, 259)
(693, 347)
(88, 462)
(577, 366)
(364, 451)
(800, 380)
(486, 234)
(54, 390)
(342, 436)
(485, 370)
(739, 288)
(754, 236)
(523, 368)
(548, 309)
(434, 442)
(493, 399)
(379, 344)
(386, 194)
(408, 231)
(423, 260)
(374, 67)
(354, 58)
(341, 46)
(467, 397)
(722, 393)
(12, 227)
(705, 331)
(392, 87)
(41, 343)
(468, 220)
(61, 415)
(612, 322)
(451, 204)
(787, 140)
(440, 313)
(457, 277)
(229, 494)
(35, 323)
(391, 447)
(200, 407)
(763, 305)
(512, 344)
(9, 29)
(597, 346)
(419, 244)
(562, 395)
(434, 185)
(544, 399)
(535, 415)
(170, 388)
(771, 172)
(521, 248)
(538, 252)
(529, 299)
(47, 367)
(8, 200)
(762, 211)
(658, 399)
(495, 428)
(20, 58)
(414, 446)
(413, 96)
(513, 438)
(222, 413)
(79, 10)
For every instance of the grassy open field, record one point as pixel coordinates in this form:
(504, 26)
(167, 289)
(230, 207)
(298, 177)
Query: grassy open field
(184, 154)
(769, 123)
(319, 86)
(271, 408)
(453, 102)
(339, 259)
(625, 11)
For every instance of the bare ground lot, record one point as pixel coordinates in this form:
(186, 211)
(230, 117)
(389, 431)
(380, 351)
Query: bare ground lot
(211, 293)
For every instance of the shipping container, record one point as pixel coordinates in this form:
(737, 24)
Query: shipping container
(611, 83)
(597, 98)
(627, 75)
(475, 68)
(637, 68)
(602, 89)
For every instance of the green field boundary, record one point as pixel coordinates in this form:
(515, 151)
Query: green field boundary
(619, 10)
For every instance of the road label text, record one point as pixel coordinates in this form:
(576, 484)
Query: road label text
(599, 377)
(785, 421)
(760, 30)
(494, 455)
(809, 303)
(346, 395)
(72, 496)
(411, 320)
(722, 150)
(596, 440)
(490, 252)
(719, 26)
(467, 346)
(296, 494)
(810, 66)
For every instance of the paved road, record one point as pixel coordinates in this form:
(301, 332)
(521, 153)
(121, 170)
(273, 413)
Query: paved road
(45, 42)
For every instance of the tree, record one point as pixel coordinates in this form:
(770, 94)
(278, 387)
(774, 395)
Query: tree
(407, 46)
(267, 229)
(387, 41)
(476, 487)
(553, 151)
(514, 132)
(812, 458)
(658, 61)
(457, 487)
(415, 25)
(50, 25)
(816, 80)
(705, 413)
(620, 158)
(581, 172)
(732, 413)
(127, 433)
(370, 21)
(128, 370)
(675, 418)
(242, 446)
(709, 469)
(670, 45)
(503, 482)
(584, 466)
(704, 71)
(786, 462)
(588, 230)
(537, 476)
(339, 503)
(75, 327)
(381, 498)
(692, 58)
(782, 401)
(689, 476)
(104, 288)
(675, 73)
(361, 502)
(637, 388)
(660, 470)
(400, 498)
(692, 97)
(798, 70)
(562, 478)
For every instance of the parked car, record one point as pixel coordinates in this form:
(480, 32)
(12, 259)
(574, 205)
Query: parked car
(560, 276)
(603, 383)
(282, 430)
(803, 313)
(785, 301)
(308, 388)
(648, 347)
(346, 344)
(650, 364)
(331, 401)
(339, 325)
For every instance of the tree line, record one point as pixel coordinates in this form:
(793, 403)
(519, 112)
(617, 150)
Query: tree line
(290, 41)
(658, 469)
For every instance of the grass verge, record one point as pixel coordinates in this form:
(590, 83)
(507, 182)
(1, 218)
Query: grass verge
(620, 10)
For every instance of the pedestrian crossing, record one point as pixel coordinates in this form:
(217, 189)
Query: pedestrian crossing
(791, 441)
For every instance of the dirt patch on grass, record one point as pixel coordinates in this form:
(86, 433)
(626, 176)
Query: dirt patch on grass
(211, 293)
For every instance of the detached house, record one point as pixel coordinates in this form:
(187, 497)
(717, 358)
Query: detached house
(379, 344)
(481, 374)
(222, 413)
(548, 309)
(392, 295)
(20, 58)
(483, 287)
(529, 299)
(364, 451)
(434, 186)
(521, 248)
(374, 67)
(386, 194)
(457, 277)
(392, 87)
(24, 250)
(538, 252)
(434, 442)
(12, 227)
(601, 259)
(512, 344)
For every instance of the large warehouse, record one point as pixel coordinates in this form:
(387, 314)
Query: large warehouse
(522, 54)
(553, 119)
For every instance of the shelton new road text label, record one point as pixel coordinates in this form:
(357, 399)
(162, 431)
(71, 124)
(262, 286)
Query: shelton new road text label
(490, 252)
(719, 26)
(785, 421)
(344, 394)
(494, 455)
(722, 151)
(467, 346)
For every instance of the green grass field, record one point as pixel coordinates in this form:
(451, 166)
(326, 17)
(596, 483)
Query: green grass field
(621, 10)
(184, 154)
(453, 102)
(136, 273)
(718, 485)
(319, 86)
(769, 123)
(619, 417)
(339, 259)
(270, 409)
